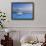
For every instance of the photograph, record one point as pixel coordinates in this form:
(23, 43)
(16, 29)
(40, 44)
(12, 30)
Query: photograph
(22, 11)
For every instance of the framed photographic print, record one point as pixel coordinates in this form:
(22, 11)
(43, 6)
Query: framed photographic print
(22, 10)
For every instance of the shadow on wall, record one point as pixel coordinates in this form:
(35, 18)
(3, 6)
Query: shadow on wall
(16, 43)
(15, 37)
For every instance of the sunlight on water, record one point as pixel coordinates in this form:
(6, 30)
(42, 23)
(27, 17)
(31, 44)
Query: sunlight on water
(19, 13)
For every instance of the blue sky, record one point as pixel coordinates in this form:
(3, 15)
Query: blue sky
(21, 5)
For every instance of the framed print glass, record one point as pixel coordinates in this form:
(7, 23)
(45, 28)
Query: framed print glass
(22, 10)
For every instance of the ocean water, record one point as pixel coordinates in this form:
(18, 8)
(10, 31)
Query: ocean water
(21, 16)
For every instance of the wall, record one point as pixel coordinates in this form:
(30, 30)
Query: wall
(16, 35)
(39, 14)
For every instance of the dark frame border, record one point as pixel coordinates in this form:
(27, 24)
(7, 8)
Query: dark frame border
(22, 3)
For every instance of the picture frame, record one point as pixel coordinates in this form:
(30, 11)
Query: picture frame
(22, 10)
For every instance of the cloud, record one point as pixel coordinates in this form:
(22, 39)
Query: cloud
(24, 9)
